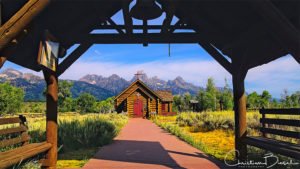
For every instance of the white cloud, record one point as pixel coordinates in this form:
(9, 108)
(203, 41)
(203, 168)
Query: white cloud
(283, 73)
(97, 52)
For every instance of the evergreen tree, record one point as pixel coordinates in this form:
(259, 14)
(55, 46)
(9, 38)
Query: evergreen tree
(202, 100)
(65, 100)
(226, 98)
(177, 103)
(253, 101)
(186, 102)
(86, 103)
(211, 95)
(265, 99)
(295, 99)
(285, 99)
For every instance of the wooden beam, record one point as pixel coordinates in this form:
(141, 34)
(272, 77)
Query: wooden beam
(20, 20)
(7, 52)
(51, 116)
(216, 55)
(62, 67)
(1, 13)
(282, 29)
(111, 22)
(170, 10)
(137, 38)
(245, 38)
(127, 17)
(178, 25)
(145, 30)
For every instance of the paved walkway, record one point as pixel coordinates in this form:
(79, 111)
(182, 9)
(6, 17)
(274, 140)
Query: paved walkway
(143, 145)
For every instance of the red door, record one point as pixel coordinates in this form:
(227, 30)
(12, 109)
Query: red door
(163, 107)
(138, 108)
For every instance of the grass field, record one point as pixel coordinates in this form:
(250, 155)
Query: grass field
(213, 132)
(79, 136)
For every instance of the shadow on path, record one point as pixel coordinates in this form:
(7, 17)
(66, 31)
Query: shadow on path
(146, 152)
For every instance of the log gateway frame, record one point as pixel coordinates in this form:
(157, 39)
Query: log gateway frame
(238, 35)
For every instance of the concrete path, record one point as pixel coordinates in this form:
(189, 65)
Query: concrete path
(143, 145)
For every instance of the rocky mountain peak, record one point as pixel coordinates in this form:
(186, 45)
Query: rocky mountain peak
(91, 79)
(114, 76)
(111, 85)
(31, 77)
(179, 79)
(11, 74)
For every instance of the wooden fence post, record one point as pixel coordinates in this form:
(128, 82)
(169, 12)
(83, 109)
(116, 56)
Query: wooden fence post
(240, 115)
(51, 117)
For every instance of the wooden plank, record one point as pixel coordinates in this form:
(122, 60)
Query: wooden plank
(292, 134)
(14, 141)
(20, 20)
(11, 160)
(9, 153)
(286, 122)
(292, 111)
(13, 130)
(286, 150)
(276, 142)
(11, 120)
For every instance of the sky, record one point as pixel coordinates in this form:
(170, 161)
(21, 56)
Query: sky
(189, 61)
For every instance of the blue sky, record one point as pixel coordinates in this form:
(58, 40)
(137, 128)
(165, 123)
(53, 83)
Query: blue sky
(189, 61)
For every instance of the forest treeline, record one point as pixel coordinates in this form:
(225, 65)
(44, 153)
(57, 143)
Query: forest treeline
(210, 99)
(216, 99)
(12, 101)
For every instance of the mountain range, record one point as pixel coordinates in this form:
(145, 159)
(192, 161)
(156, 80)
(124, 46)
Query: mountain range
(97, 85)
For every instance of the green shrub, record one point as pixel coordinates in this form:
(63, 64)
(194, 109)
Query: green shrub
(204, 121)
(86, 133)
(90, 130)
(11, 99)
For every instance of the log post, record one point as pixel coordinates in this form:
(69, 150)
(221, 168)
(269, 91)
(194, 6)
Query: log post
(239, 115)
(51, 117)
(148, 108)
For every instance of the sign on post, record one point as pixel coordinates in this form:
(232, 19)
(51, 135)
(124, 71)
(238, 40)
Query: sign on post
(48, 52)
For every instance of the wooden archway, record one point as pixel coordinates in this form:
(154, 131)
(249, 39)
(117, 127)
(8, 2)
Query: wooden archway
(250, 33)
